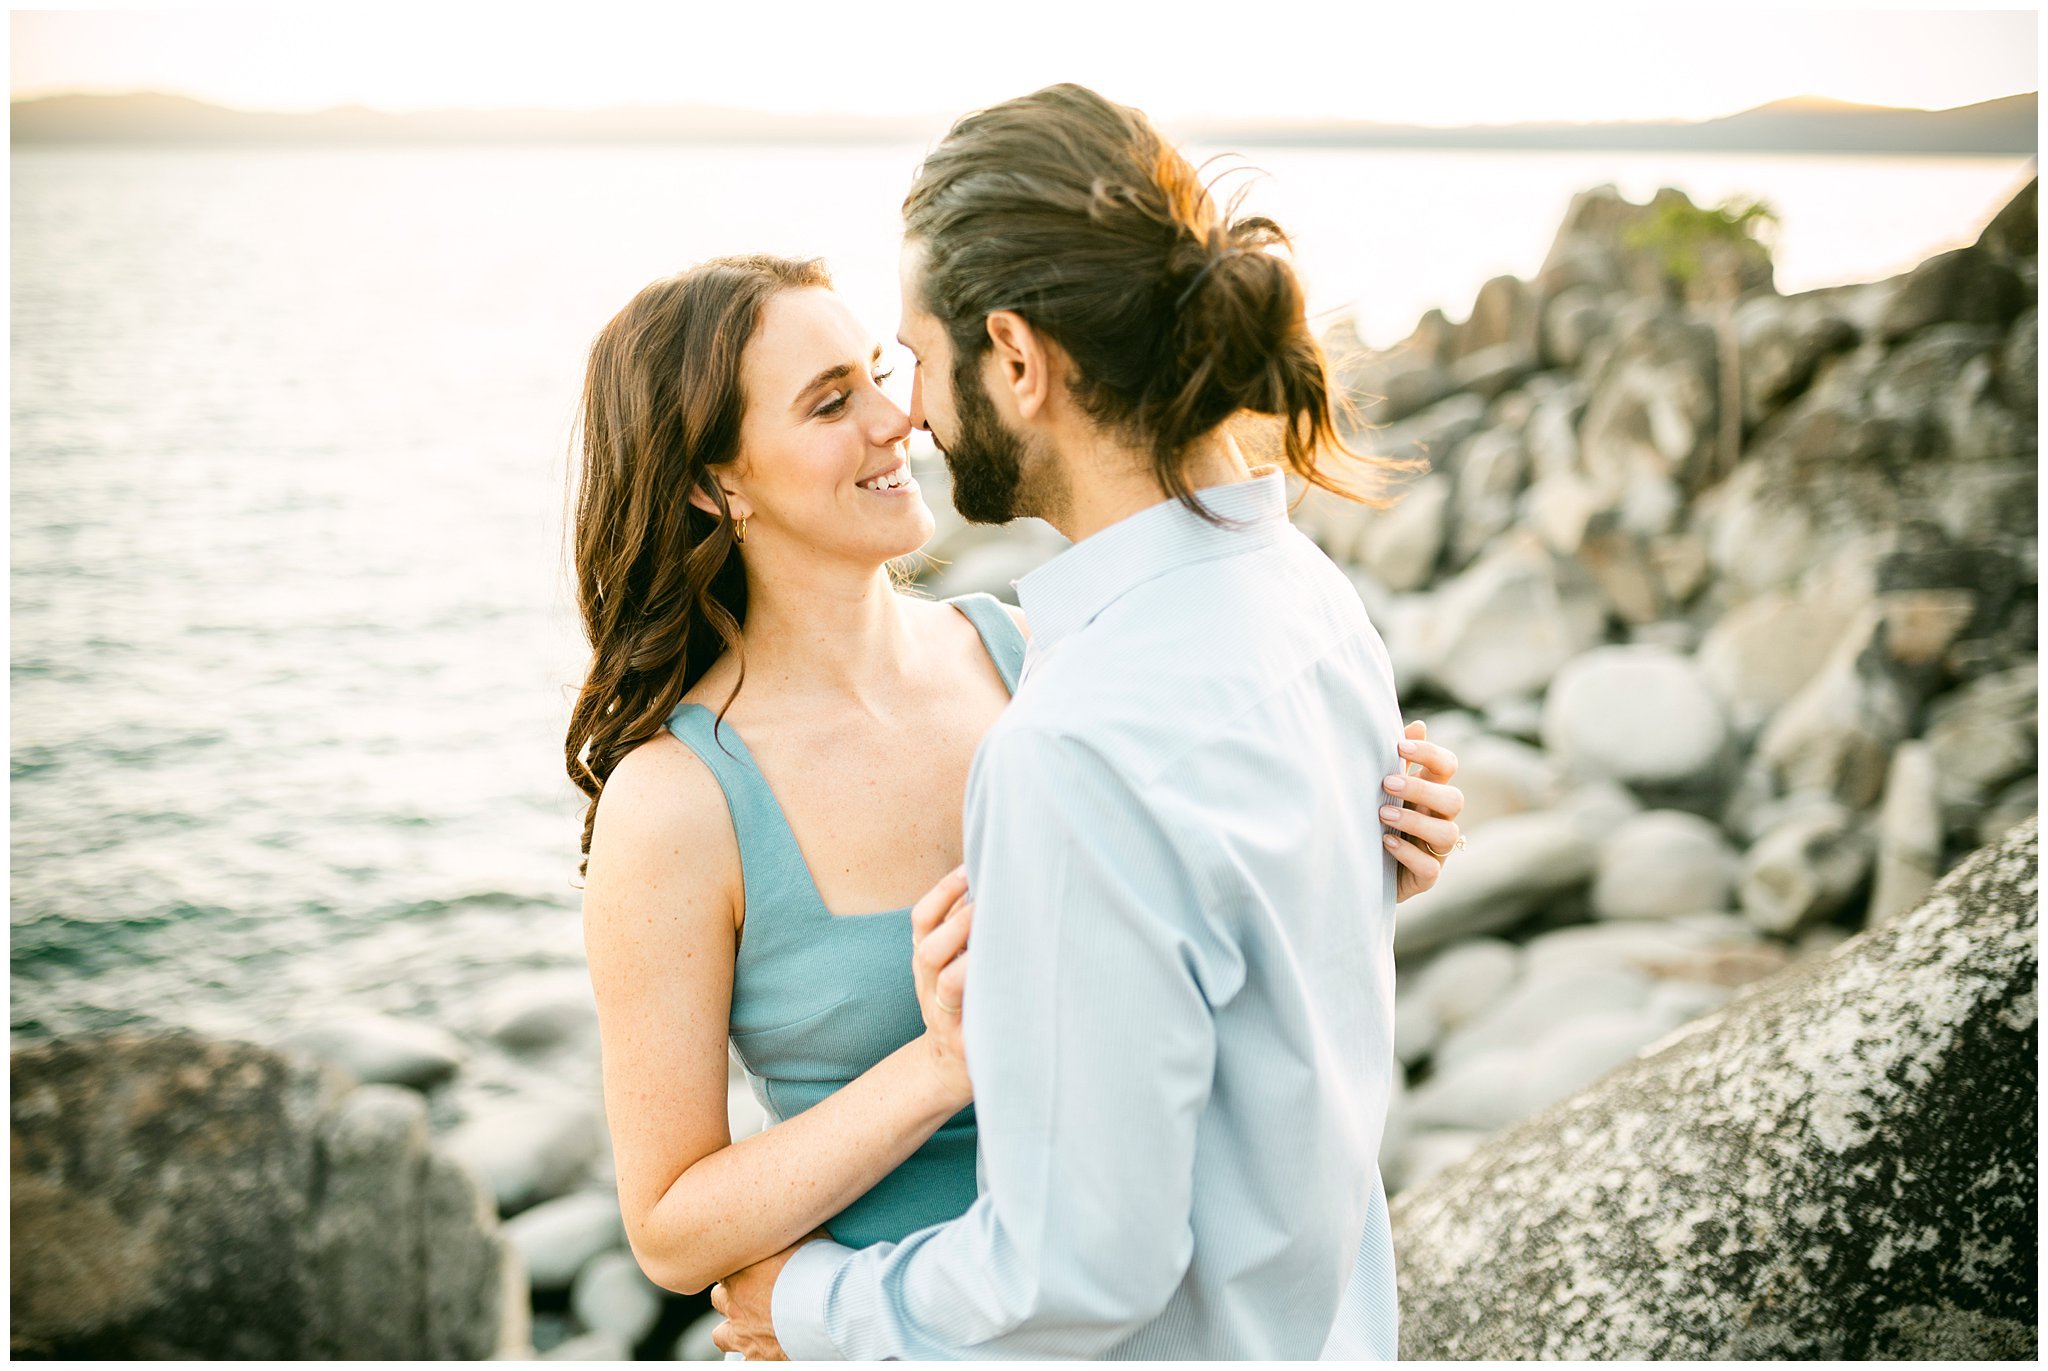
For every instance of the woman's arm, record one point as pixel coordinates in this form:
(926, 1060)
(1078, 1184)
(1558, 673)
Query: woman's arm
(659, 930)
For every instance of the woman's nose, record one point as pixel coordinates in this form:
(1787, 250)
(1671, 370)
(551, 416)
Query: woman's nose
(892, 425)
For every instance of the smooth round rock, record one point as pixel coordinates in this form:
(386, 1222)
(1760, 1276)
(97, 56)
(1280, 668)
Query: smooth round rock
(542, 1011)
(1461, 981)
(1505, 625)
(1578, 1053)
(1692, 946)
(1638, 714)
(1536, 1006)
(378, 1049)
(1483, 1091)
(559, 1237)
(528, 1150)
(1501, 776)
(1509, 870)
(612, 1295)
(1661, 863)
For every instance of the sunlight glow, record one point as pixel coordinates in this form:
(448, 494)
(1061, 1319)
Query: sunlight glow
(1346, 60)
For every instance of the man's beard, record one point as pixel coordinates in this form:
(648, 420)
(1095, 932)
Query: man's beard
(986, 459)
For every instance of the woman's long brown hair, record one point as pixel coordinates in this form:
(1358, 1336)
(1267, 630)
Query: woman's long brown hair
(659, 582)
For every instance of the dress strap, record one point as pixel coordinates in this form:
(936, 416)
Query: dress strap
(999, 632)
(771, 864)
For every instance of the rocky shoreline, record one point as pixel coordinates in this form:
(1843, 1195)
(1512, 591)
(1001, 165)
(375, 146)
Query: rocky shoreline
(1720, 706)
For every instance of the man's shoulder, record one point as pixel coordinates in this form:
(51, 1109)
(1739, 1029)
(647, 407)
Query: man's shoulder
(1230, 623)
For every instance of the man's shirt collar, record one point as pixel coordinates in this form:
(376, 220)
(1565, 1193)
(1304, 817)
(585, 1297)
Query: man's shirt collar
(1068, 592)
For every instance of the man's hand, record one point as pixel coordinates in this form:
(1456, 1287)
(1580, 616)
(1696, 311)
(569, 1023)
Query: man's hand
(745, 1298)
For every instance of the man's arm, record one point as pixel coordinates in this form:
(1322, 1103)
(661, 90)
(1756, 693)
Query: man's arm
(1091, 1041)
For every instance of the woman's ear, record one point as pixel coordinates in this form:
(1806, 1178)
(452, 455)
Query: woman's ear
(701, 497)
(1024, 359)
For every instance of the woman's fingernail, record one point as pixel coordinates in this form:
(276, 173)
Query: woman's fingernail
(1391, 841)
(1396, 782)
(1390, 812)
(1408, 749)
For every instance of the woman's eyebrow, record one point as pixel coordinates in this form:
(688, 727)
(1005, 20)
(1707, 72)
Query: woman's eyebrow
(830, 374)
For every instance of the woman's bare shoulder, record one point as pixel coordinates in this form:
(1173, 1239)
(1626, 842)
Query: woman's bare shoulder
(1023, 625)
(662, 819)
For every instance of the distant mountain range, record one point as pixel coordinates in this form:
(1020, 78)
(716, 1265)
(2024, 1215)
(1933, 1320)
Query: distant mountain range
(1805, 124)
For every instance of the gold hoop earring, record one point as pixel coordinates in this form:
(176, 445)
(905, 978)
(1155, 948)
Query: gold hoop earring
(740, 528)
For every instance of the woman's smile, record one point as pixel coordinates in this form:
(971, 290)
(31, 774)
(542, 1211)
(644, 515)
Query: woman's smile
(897, 480)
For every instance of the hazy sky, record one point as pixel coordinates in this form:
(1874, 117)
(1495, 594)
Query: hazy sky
(1410, 63)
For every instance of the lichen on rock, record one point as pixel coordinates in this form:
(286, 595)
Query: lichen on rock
(1838, 1164)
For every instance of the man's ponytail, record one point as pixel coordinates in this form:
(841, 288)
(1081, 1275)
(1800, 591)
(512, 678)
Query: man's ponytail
(1076, 214)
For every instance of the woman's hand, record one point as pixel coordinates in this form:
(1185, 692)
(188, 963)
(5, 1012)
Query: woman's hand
(1423, 812)
(939, 924)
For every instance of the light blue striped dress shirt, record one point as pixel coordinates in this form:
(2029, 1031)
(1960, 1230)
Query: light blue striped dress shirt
(1179, 1007)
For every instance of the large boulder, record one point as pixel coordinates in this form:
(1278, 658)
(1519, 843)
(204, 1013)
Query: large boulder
(2014, 233)
(1981, 738)
(1492, 473)
(1650, 420)
(1573, 321)
(1394, 382)
(1836, 735)
(1610, 244)
(1969, 286)
(1783, 340)
(1839, 1164)
(1400, 546)
(2019, 368)
(1761, 654)
(175, 1197)
(1503, 315)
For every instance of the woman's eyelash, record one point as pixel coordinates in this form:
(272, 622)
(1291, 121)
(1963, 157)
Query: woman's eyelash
(839, 399)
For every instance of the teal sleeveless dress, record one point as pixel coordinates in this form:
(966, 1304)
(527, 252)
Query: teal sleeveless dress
(817, 997)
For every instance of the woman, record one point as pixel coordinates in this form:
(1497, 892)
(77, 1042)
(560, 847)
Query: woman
(776, 743)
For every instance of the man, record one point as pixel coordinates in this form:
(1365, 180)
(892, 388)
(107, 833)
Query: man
(1179, 1005)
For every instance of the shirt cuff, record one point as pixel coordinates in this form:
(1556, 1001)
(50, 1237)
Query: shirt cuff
(797, 1304)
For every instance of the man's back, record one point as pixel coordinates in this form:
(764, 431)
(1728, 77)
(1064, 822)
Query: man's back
(1248, 703)
(1179, 1004)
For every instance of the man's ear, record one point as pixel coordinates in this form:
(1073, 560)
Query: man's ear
(1025, 359)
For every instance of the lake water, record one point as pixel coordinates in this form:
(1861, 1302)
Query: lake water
(292, 641)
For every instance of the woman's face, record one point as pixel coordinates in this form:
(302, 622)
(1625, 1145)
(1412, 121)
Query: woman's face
(817, 436)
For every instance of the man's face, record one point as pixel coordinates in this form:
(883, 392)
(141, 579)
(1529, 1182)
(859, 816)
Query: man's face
(949, 399)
